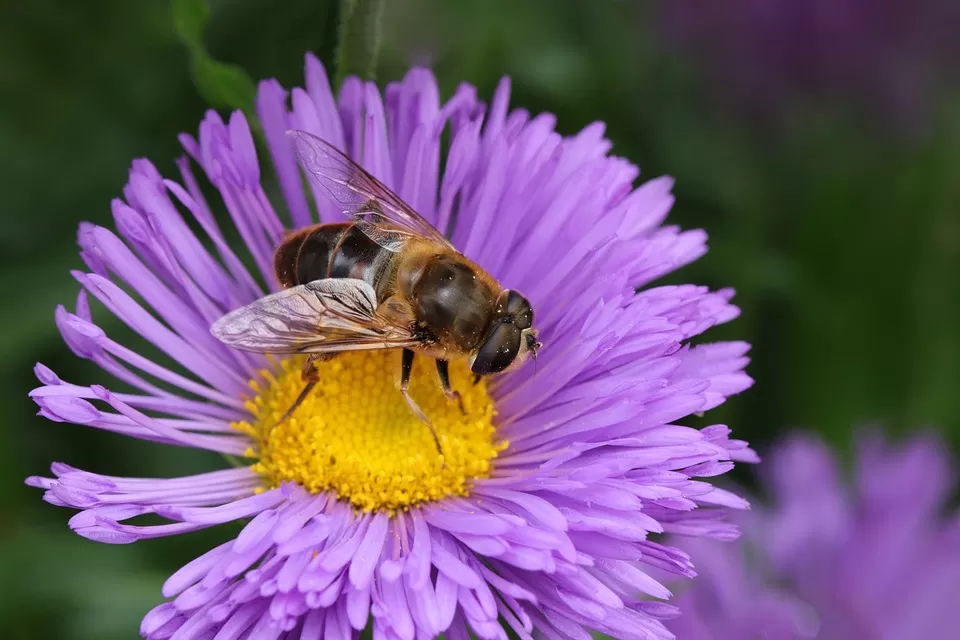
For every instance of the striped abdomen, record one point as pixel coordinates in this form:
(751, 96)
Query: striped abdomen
(337, 250)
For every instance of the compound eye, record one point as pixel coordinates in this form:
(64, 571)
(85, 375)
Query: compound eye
(498, 351)
(518, 309)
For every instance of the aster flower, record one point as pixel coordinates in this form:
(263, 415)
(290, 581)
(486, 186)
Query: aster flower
(545, 509)
(890, 58)
(879, 559)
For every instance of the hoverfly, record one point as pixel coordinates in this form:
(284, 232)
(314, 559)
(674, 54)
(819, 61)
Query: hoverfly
(387, 279)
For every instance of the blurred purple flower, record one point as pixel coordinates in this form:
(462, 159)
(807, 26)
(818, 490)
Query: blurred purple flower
(555, 533)
(888, 58)
(878, 561)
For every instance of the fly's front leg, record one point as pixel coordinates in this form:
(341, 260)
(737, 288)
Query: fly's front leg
(406, 368)
(310, 377)
(443, 370)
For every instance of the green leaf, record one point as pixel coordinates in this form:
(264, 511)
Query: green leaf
(358, 48)
(189, 19)
(223, 85)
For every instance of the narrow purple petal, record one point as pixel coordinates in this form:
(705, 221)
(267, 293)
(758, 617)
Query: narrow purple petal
(368, 552)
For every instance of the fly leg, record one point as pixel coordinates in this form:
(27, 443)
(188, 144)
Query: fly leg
(310, 377)
(406, 368)
(443, 369)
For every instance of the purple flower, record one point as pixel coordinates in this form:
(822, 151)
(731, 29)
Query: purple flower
(888, 58)
(879, 560)
(556, 483)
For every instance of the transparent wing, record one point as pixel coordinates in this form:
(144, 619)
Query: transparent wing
(323, 316)
(380, 213)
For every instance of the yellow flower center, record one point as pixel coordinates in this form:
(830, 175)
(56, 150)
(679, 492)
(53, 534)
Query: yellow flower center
(355, 435)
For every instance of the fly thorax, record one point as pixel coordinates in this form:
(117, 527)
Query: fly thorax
(451, 300)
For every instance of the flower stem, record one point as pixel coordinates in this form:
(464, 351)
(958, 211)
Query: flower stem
(358, 48)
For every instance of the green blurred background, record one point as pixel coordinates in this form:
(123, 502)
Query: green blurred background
(820, 150)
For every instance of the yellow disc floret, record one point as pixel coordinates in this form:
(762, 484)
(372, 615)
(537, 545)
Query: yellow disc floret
(355, 435)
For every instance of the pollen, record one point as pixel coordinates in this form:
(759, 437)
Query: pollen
(355, 435)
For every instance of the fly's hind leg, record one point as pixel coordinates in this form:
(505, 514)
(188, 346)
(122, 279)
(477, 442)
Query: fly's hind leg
(443, 370)
(310, 377)
(406, 368)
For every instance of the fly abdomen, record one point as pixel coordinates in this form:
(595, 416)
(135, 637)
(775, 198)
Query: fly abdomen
(356, 256)
(305, 256)
(336, 250)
